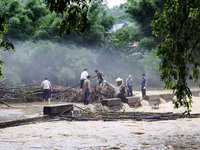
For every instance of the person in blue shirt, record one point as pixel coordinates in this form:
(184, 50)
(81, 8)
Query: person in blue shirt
(143, 85)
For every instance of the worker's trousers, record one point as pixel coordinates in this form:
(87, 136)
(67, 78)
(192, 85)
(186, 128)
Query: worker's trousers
(143, 92)
(86, 96)
(130, 90)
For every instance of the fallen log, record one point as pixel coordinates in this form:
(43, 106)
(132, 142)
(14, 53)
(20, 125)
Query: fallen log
(2, 102)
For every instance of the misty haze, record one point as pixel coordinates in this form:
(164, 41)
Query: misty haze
(63, 64)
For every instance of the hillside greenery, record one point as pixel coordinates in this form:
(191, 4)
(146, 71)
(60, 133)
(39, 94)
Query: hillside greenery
(40, 52)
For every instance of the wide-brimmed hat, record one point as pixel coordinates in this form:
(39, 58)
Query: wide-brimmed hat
(119, 79)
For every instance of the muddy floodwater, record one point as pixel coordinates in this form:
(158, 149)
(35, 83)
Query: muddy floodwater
(98, 135)
(181, 134)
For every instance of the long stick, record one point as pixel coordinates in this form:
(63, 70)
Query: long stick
(3, 80)
(2, 102)
(76, 85)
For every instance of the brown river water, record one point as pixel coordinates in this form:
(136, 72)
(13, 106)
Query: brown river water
(99, 135)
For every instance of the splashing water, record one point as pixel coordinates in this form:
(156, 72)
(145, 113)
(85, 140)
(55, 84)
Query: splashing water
(162, 101)
(125, 107)
(144, 103)
(116, 89)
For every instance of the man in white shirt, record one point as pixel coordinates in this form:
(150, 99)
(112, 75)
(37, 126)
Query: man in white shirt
(84, 75)
(46, 86)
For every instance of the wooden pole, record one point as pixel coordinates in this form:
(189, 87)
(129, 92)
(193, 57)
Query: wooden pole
(75, 85)
(2, 102)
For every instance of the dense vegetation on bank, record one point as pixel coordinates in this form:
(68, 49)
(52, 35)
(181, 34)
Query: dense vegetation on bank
(40, 52)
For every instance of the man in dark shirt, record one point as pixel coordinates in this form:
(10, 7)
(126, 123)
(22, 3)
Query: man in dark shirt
(100, 77)
(143, 85)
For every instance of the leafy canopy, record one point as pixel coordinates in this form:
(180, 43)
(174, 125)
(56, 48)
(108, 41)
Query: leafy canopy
(179, 26)
(74, 12)
(5, 45)
(142, 11)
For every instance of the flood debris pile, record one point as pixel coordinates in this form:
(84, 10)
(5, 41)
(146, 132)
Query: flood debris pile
(76, 95)
(21, 93)
(67, 94)
(33, 93)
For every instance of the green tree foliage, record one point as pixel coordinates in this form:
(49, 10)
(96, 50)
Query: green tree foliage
(142, 11)
(31, 20)
(101, 23)
(179, 26)
(147, 44)
(118, 13)
(5, 45)
(150, 65)
(121, 38)
(74, 12)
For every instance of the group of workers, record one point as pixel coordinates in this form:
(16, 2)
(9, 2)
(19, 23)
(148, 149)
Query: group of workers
(86, 85)
(129, 85)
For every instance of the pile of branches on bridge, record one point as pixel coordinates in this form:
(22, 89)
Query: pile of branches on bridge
(32, 92)
(77, 95)
(28, 92)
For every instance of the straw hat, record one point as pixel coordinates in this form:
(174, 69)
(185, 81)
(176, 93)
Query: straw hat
(119, 79)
